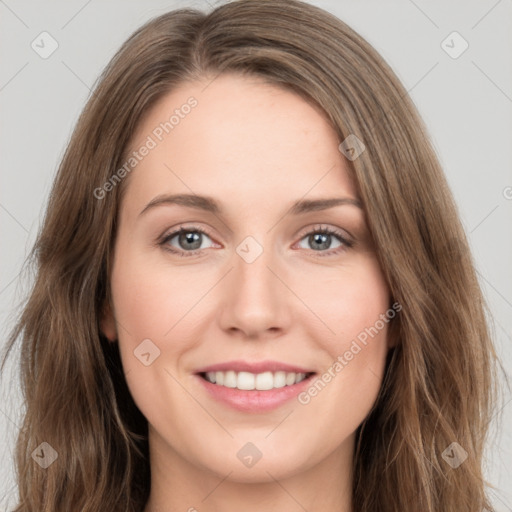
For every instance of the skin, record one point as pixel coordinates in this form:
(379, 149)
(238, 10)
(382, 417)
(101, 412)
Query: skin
(255, 149)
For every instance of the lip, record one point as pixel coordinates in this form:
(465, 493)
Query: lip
(254, 367)
(254, 401)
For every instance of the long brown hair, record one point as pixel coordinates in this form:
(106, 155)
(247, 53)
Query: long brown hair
(439, 386)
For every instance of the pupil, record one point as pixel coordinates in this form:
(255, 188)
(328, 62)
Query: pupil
(321, 239)
(191, 237)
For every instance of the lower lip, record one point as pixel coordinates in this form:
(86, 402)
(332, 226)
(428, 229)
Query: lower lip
(254, 400)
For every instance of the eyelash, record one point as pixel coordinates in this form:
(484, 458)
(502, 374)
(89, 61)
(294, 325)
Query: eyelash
(346, 244)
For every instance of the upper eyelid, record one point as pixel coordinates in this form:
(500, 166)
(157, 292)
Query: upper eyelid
(176, 231)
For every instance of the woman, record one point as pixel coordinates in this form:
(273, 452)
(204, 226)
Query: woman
(322, 346)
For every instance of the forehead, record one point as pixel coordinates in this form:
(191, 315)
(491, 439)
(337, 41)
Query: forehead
(238, 138)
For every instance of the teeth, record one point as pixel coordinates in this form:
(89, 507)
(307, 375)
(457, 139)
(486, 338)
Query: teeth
(290, 379)
(248, 381)
(264, 381)
(229, 379)
(245, 380)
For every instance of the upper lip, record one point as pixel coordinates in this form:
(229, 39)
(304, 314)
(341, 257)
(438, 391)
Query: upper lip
(254, 367)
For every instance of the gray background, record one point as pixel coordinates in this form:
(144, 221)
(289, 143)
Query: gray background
(466, 103)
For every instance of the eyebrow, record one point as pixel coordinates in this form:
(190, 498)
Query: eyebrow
(209, 204)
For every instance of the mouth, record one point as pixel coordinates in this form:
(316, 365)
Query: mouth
(255, 392)
(248, 381)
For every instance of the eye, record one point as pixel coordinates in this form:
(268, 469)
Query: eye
(189, 240)
(322, 238)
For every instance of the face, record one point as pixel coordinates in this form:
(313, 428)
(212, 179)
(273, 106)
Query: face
(262, 288)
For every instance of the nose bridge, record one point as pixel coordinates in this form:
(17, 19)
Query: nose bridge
(255, 300)
(252, 261)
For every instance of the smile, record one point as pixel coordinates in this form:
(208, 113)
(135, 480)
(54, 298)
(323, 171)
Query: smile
(249, 381)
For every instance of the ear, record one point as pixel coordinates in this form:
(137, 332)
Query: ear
(108, 322)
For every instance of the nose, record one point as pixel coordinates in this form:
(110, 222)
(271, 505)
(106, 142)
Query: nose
(256, 300)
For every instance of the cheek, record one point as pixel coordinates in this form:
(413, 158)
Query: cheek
(356, 308)
(352, 302)
(147, 306)
(150, 299)
(151, 303)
